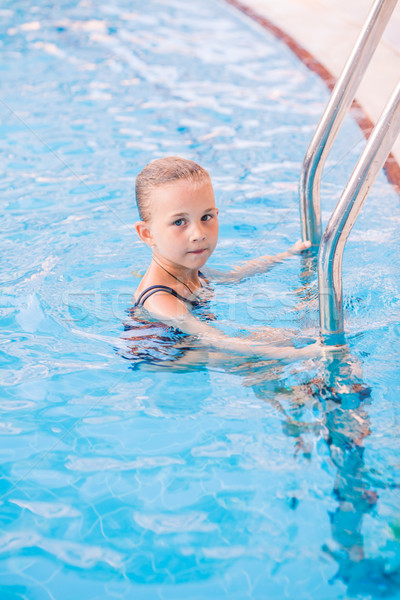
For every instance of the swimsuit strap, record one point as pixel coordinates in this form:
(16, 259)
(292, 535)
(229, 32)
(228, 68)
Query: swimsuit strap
(158, 288)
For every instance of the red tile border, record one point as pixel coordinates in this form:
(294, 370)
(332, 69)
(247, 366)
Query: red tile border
(392, 168)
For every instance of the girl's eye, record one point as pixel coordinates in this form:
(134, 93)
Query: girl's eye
(178, 222)
(206, 217)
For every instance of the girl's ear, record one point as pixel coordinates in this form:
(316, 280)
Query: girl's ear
(143, 231)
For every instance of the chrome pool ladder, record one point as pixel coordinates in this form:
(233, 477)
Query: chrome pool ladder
(365, 172)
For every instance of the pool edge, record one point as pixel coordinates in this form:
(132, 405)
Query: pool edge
(391, 167)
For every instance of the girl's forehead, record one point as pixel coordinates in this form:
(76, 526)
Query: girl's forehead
(183, 192)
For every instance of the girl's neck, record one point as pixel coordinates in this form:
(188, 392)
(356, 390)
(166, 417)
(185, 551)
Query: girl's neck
(188, 278)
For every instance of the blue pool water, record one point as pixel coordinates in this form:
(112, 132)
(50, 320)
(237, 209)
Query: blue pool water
(210, 477)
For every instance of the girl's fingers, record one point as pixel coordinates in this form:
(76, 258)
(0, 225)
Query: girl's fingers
(299, 246)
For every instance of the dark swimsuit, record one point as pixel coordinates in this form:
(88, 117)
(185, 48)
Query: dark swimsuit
(151, 341)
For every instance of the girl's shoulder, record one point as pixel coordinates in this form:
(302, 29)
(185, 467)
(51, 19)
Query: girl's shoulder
(153, 289)
(144, 292)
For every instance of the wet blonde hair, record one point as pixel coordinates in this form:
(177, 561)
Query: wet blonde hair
(164, 171)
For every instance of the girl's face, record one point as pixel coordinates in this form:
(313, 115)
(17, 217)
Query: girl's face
(183, 228)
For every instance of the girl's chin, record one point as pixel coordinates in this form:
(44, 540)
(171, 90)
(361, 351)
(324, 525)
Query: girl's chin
(199, 258)
(192, 260)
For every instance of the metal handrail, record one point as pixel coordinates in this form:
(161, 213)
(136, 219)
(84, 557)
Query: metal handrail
(345, 214)
(339, 103)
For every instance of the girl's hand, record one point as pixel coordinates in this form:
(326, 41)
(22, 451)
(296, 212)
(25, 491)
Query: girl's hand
(299, 246)
(318, 348)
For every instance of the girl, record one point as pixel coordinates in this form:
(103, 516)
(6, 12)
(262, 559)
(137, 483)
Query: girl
(179, 222)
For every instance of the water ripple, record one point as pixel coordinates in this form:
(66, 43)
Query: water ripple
(110, 464)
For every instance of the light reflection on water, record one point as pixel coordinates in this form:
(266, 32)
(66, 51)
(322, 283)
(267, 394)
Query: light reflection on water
(236, 478)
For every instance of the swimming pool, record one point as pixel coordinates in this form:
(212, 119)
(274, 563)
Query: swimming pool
(125, 480)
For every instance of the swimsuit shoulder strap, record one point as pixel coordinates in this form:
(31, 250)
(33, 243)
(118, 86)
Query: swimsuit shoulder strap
(153, 289)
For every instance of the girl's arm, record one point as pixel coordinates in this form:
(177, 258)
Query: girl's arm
(174, 313)
(212, 337)
(257, 265)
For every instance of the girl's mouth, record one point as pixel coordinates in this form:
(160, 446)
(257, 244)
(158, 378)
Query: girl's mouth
(197, 251)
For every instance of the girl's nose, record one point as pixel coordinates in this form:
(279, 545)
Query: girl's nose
(197, 233)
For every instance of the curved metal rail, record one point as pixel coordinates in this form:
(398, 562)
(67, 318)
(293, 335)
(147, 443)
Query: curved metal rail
(339, 103)
(345, 214)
